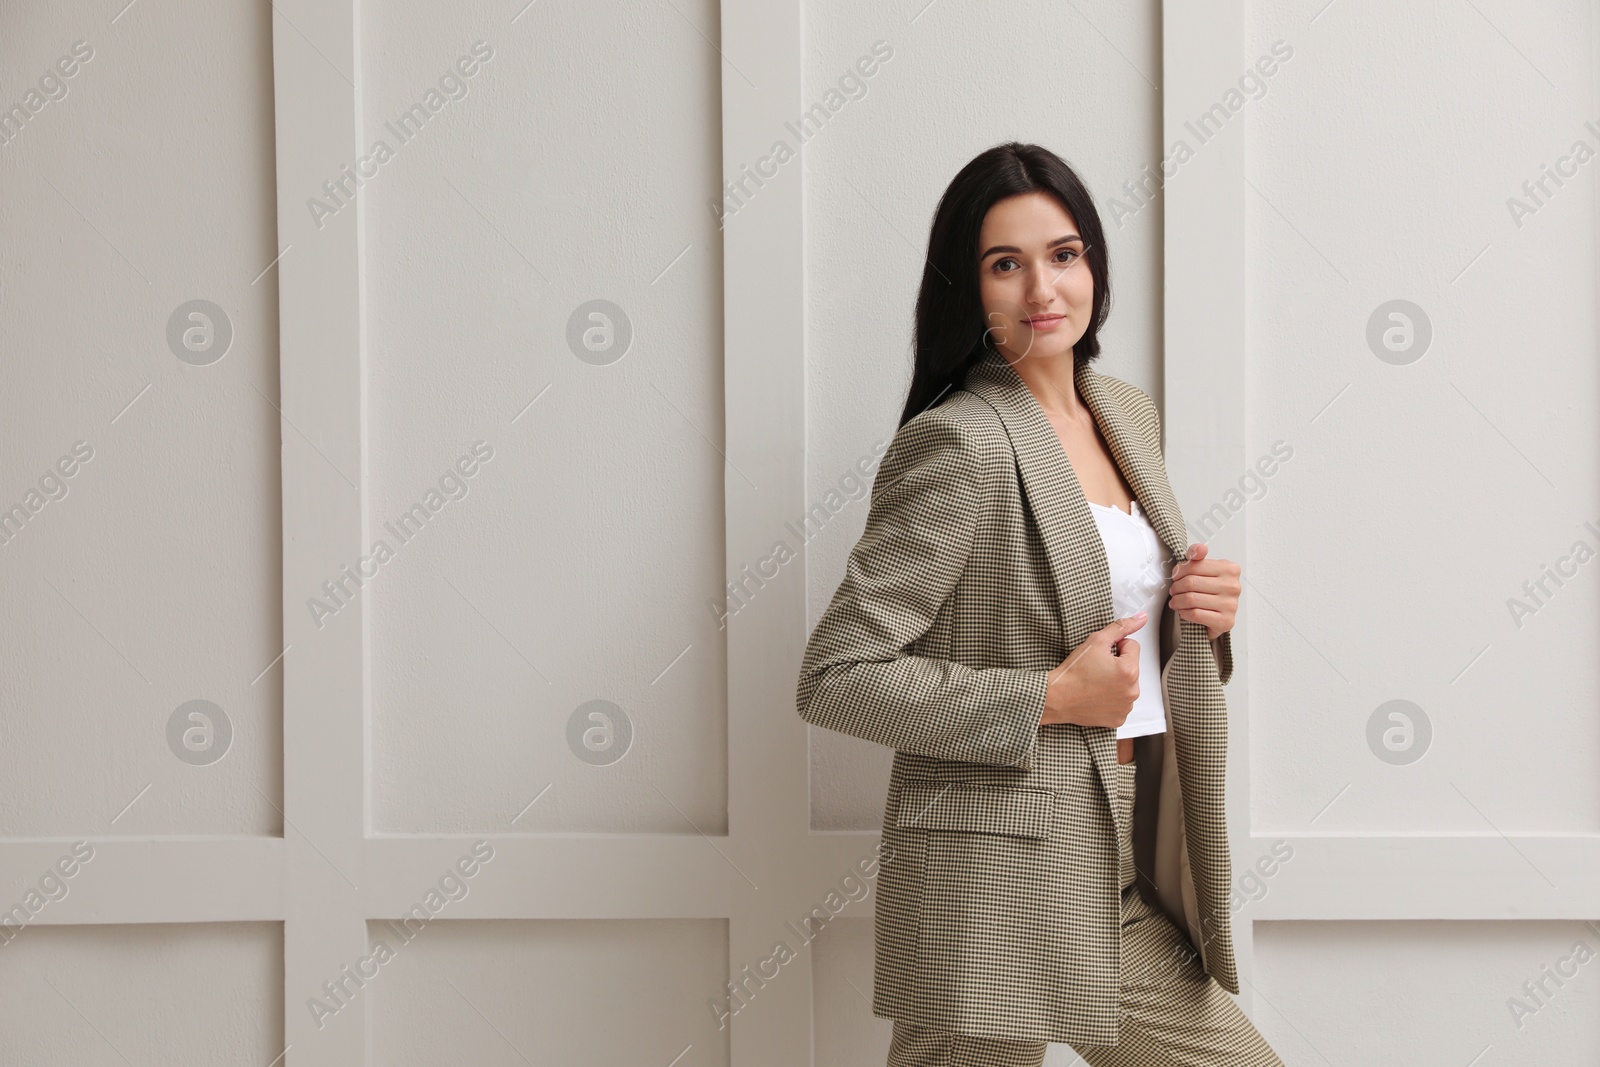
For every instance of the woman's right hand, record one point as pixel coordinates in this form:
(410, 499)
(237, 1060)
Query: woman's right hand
(1095, 686)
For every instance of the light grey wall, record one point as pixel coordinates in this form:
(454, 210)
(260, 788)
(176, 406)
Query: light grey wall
(587, 556)
(152, 578)
(1387, 553)
(1428, 992)
(154, 993)
(579, 563)
(1421, 497)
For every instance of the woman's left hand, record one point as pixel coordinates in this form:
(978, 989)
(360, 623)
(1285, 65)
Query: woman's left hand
(1205, 590)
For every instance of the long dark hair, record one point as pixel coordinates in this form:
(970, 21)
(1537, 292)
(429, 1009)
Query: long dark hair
(951, 335)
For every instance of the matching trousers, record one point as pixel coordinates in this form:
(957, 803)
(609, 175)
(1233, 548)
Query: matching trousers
(1173, 1013)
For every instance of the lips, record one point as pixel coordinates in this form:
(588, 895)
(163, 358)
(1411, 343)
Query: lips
(1044, 320)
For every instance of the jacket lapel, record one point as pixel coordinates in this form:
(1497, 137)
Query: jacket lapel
(1072, 544)
(1139, 462)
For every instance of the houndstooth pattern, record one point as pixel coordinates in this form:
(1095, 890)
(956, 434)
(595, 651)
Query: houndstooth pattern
(1173, 1013)
(979, 569)
(912, 1046)
(1125, 792)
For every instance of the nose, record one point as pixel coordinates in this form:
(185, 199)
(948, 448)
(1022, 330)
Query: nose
(1041, 286)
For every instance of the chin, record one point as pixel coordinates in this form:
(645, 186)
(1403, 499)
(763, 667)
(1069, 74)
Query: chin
(1050, 348)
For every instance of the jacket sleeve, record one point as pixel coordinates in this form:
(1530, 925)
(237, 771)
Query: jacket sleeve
(857, 676)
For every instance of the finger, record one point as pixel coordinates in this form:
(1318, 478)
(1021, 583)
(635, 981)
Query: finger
(1206, 584)
(1218, 567)
(1128, 663)
(1202, 602)
(1125, 626)
(1193, 554)
(1204, 616)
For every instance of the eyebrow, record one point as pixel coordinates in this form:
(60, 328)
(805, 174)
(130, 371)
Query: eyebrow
(1017, 251)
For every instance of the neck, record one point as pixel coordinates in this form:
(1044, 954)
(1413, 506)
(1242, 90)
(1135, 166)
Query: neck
(1050, 380)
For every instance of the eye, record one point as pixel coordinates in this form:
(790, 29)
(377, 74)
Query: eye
(1066, 256)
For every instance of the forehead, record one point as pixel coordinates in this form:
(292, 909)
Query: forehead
(1027, 220)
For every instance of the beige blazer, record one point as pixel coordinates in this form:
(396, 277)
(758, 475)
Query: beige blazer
(980, 568)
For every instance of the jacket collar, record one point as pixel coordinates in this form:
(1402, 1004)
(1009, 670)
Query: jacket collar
(1066, 525)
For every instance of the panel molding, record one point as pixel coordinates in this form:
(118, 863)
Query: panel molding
(321, 370)
(1465, 876)
(329, 875)
(1329, 876)
(1203, 343)
(764, 409)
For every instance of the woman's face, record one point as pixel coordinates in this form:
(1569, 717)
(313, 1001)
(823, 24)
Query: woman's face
(1037, 291)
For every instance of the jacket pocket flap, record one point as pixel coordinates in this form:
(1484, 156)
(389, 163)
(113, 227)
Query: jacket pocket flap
(1014, 810)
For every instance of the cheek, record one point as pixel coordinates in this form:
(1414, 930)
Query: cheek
(988, 291)
(1079, 287)
(996, 298)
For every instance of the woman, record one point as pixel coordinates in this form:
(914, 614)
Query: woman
(1056, 847)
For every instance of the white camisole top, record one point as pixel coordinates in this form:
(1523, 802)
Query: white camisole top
(1141, 573)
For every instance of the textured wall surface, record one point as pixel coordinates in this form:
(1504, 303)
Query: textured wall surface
(505, 992)
(207, 993)
(578, 563)
(1421, 496)
(511, 360)
(149, 575)
(1427, 992)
